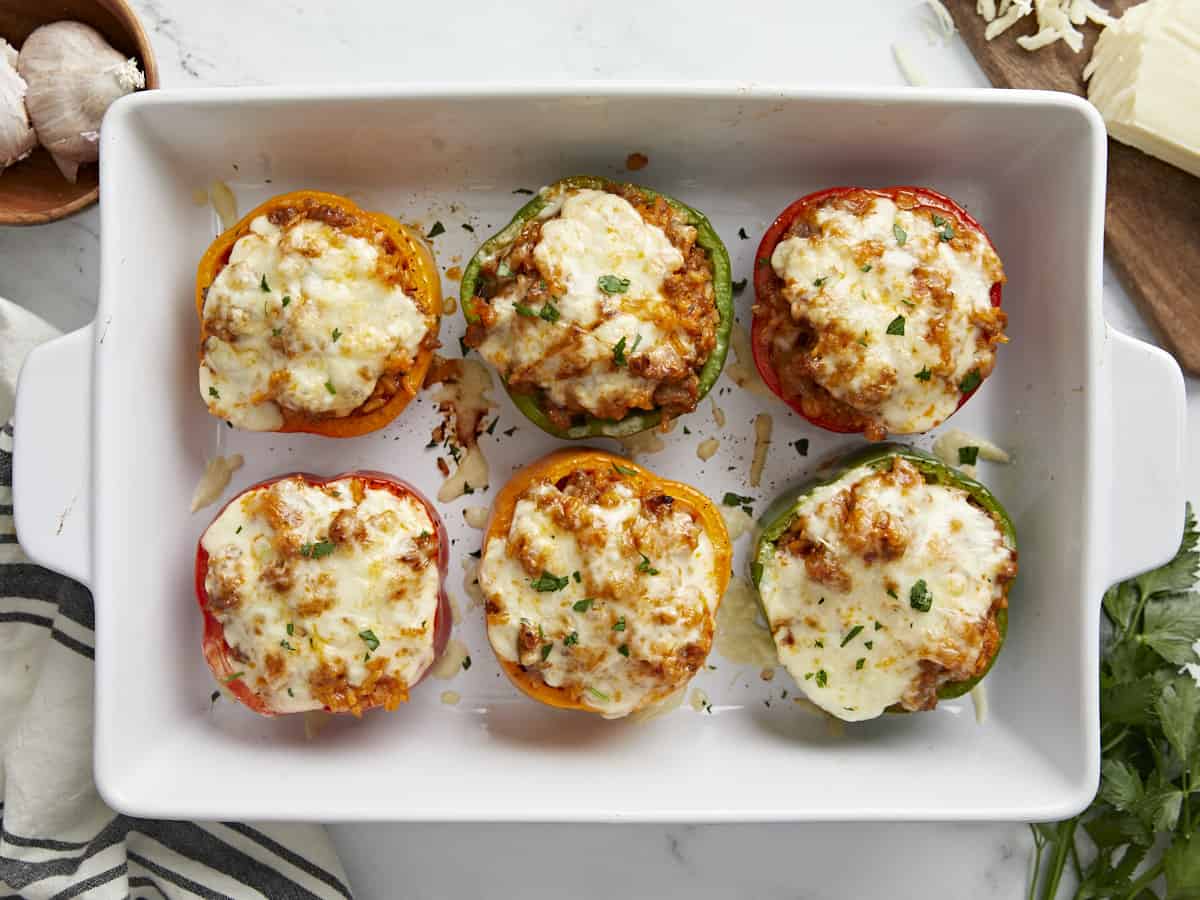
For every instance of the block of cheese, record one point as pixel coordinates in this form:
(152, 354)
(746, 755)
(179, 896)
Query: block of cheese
(1144, 77)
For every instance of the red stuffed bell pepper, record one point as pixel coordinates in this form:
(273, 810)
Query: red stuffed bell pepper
(323, 593)
(876, 311)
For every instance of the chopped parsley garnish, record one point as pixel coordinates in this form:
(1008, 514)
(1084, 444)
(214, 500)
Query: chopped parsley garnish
(475, 554)
(970, 381)
(522, 191)
(619, 353)
(611, 284)
(276, 332)
(732, 499)
(213, 392)
(546, 648)
(317, 550)
(571, 639)
(583, 605)
(549, 312)
(466, 663)
(619, 625)
(801, 446)
(947, 232)
(636, 340)
(892, 593)
(286, 300)
(870, 645)
(878, 627)
(860, 662)
(462, 346)
(819, 643)
(762, 261)
(337, 333)
(214, 697)
(863, 340)
(369, 639)
(644, 565)
(232, 678)
(291, 629)
(623, 470)
(865, 267)
(924, 374)
(738, 287)
(822, 678)
(900, 233)
(491, 429)
(851, 635)
(742, 234)
(290, 694)
(919, 597)
(266, 288)
(438, 228)
(546, 582)
(528, 311)
(239, 531)
(467, 227)
(967, 456)
(938, 221)
(599, 695)
(817, 282)
(329, 387)
(284, 643)
(896, 326)
(623, 650)
(509, 432)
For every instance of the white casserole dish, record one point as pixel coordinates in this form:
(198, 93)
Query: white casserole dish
(112, 437)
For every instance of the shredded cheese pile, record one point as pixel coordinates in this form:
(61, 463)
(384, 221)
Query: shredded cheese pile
(1056, 20)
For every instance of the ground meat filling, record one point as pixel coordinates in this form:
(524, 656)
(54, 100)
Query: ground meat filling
(799, 352)
(669, 374)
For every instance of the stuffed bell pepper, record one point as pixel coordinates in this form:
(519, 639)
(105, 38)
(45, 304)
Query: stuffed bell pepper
(606, 308)
(876, 311)
(323, 593)
(601, 582)
(886, 586)
(315, 316)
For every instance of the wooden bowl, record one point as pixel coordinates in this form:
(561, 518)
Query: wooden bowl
(33, 191)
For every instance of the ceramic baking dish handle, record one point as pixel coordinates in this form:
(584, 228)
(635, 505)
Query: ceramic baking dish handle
(52, 463)
(1149, 412)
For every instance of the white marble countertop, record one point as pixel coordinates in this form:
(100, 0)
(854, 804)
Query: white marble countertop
(53, 270)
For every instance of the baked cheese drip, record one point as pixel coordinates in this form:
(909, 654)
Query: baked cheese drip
(327, 594)
(896, 300)
(603, 593)
(603, 308)
(307, 316)
(885, 588)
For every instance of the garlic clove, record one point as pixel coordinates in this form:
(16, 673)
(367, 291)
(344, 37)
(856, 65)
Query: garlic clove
(17, 137)
(74, 75)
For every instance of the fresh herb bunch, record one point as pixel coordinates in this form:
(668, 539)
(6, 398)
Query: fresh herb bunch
(1141, 825)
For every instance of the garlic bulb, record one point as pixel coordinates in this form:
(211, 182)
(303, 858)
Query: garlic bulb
(73, 76)
(17, 137)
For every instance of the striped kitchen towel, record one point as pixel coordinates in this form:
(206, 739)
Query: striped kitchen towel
(57, 837)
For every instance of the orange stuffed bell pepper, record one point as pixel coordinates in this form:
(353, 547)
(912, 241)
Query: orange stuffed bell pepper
(601, 582)
(315, 316)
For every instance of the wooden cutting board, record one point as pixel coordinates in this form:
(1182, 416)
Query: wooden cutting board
(1152, 230)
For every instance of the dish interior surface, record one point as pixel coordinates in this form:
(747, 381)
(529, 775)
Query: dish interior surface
(1024, 166)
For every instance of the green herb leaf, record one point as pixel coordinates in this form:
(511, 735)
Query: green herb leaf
(571, 639)
(896, 326)
(1120, 785)
(742, 234)
(865, 267)
(522, 191)
(619, 625)
(527, 311)
(578, 578)
(938, 221)
(967, 456)
(623, 650)
(213, 392)
(286, 300)
(611, 284)
(438, 228)
(329, 387)
(599, 695)
(318, 550)
(1183, 868)
(900, 233)
(547, 582)
(467, 227)
(291, 629)
(1172, 625)
(970, 381)
(919, 597)
(738, 287)
(263, 286)
(232, 678)
(619, 353)
(546, 648)
(645, 567)
(583, 605)
(368, 637)
(636, 340)
(337, 333)
(466, 663)
(851, 635)
(817, 282)
(732, 499)
(550, 312)
(623, 470)
(822, 678)
(924, 374)
(947, 233)
(276, 332)
(801, 446)
(756, 572)
(860, 662)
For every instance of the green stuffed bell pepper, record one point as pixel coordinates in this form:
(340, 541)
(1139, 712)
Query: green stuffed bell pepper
(606, 308)
(886, 585)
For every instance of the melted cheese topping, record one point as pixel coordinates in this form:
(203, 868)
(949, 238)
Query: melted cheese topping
(897, 308)
(321, 590)
(843, 619)
(593, 235)
(649, 623)
(299, 318)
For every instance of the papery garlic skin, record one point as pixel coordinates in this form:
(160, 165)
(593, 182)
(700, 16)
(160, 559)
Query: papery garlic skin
(17, 137)
(74, 75)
